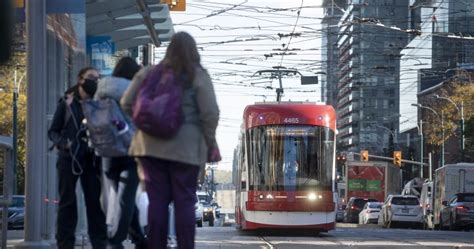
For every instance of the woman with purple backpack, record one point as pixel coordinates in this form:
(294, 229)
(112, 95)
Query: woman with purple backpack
(173, 152)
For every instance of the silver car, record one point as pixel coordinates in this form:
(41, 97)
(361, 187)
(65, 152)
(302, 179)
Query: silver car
(199, 212)
(401, 209)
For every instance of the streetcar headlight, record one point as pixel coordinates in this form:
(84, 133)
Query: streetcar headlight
(270, 197)
(260, 196)
(312, 196)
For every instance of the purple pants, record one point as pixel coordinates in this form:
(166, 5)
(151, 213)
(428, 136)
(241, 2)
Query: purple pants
(168, 181)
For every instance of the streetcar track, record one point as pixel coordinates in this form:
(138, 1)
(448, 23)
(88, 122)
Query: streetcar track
(270, 245)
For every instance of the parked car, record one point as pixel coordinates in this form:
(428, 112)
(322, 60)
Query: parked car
(208, 214)
(199, 212)
(340, 212)
(217, 209)
(353, 208)
(229, 219)
(458, 212)
(208, 208)
(370, 213)
(401, 209)
(16, 213)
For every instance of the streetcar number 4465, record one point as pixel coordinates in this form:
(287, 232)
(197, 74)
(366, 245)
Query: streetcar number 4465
(291, 120)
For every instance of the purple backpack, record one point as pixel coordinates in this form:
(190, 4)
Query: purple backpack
(157, 110)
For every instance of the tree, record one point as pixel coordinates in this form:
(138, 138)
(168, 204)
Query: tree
(460, 88)
(17, 62)
(469, 135)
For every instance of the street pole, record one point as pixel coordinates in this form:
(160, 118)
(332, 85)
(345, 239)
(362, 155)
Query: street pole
(442, 137)
(461, 121)
(15, 132)
(442, 127)
(430, 164)
(421, 147)
(462, 131)
(36, 125)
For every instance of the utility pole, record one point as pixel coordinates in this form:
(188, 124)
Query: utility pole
(421, 146)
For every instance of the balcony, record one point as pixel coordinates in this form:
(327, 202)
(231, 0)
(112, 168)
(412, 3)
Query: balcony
(344, 81)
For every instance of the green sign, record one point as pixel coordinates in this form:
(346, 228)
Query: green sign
(364, 185)
(357, 184)
(373, 185)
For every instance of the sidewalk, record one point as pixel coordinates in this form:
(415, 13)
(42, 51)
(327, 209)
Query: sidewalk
(16, 236)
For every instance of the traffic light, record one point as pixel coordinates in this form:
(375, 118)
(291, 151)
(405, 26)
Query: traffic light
(364, 155)
(176, 5)
(341, 159)
(397, 158)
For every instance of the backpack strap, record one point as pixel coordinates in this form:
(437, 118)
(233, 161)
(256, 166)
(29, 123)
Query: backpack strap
(68, 100)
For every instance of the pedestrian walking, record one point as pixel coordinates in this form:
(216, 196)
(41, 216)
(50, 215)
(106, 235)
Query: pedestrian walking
(171, 158)
(77, 161)
(121, 172)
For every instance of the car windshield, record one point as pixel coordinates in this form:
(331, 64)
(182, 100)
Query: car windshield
(290, 158)
(204, 198)
(361, 202)
(375, 205)
(466, 198)
(18, 202)
(405, 201)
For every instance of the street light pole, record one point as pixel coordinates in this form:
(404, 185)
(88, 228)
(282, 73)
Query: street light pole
(442, 127)
(393, 133)
(442, 137)
(15, 130)
(420, 133)
(461, 122)
(462, 131)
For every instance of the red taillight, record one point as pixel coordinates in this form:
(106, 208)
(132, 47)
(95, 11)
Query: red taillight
(353, 207)
(462, 209)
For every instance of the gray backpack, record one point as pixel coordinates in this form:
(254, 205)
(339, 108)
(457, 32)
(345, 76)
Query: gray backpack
(110, 132)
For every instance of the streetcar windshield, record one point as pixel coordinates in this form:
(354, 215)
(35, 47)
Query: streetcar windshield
(290, 158)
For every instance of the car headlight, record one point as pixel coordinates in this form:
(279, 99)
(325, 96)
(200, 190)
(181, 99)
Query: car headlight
(313, 196)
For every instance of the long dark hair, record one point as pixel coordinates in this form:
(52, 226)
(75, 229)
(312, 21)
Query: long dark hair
(182, 55)
(83, 71)
(80, 75)
(126, 68)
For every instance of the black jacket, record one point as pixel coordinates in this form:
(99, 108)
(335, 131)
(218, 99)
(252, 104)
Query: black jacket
(67, 132)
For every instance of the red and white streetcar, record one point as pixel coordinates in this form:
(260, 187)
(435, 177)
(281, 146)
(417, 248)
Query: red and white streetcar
(285, 167)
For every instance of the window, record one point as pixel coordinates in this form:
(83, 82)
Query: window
(465, 198)
(405, 201)
(290, 157)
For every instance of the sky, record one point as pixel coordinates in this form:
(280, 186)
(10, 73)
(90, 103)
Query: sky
(238, 38)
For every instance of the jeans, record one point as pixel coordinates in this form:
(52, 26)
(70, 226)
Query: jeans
(123, 178)
(168, 181)
(67, 208)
